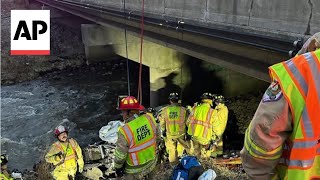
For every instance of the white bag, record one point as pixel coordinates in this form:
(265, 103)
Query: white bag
(109, 133)
(208, 175)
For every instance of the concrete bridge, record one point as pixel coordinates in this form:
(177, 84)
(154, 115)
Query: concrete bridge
(245, 36)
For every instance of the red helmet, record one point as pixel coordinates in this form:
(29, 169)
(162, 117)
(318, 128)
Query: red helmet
(129, 103)
(60, 129)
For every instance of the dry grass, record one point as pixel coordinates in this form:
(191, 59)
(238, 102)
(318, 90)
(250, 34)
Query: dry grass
(224, 171)
(42, 171)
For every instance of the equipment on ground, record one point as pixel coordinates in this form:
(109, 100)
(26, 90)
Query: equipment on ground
(99, 157)
(231, 158)
(188, 168)
(208, 175)
(99, 160)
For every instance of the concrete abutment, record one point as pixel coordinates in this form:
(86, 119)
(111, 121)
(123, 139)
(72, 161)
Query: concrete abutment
(170, 70)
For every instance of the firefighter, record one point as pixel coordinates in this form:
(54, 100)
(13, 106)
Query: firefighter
(65, 155)
(4, 174)
(200, 127)
(283, 138)
(136, 152)
(173, 126)
(219, 124)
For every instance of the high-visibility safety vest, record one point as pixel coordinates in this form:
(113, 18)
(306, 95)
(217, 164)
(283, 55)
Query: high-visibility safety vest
(140, 134)
(200, 126)
(69, 150)
(175, 120)
(299, 79)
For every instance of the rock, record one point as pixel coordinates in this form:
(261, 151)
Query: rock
(56, 78)
(49, 94)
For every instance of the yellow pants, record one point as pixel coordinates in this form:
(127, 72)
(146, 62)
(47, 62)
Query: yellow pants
(180, 149)
(203, 151)
(199, 150)
(175, 148)
(218, 149)
(64, 174)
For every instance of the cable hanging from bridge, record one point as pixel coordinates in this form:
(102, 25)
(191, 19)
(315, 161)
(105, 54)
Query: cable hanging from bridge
(126, 44)
(139, 96)
(141, 48)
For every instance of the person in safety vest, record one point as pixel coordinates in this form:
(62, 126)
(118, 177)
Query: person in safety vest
(200, 125)
(65, 155)
(173, 125)
(136, 152)
(4, 174)
(219, 125)
(283, 138)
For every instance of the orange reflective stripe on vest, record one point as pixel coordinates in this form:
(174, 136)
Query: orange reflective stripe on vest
(206, 124)
(73, 146)
(173, 122)
(205, 132)
(129, 135)
(300, 82)
(67, 157)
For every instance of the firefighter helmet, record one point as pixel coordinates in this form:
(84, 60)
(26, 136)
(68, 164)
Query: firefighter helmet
(60, 129)
(219, 99)
(173, 96)
(130, 103)
(207, 96)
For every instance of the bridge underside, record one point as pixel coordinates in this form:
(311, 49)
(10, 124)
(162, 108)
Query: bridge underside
(251, 57)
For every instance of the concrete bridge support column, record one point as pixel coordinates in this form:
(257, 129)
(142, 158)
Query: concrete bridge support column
(98, 46)
(165, 64)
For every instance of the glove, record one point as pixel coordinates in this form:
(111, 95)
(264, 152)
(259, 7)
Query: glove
(58, 156)
(119, 172)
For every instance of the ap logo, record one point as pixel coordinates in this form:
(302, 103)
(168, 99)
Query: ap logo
(30, 32)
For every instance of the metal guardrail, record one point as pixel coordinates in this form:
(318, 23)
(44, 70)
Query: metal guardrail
(259, 41)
